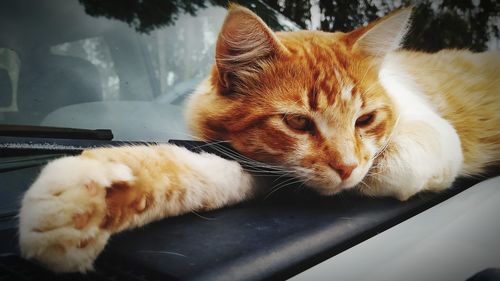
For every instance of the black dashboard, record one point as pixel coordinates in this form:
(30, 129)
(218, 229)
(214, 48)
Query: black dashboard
(273, 237)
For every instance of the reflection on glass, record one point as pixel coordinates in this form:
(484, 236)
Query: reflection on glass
(10, 66)
(129, 65)
(437, 24)
(181, 52)
(123, 65)
(96, 52)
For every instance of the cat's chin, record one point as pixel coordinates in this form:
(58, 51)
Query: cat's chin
(332, 189)
(328, 191)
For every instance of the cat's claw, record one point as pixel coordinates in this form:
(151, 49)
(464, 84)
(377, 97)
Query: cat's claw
(61, 214)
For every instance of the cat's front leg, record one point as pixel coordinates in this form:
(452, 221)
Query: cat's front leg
(423, 155)
(76, 203)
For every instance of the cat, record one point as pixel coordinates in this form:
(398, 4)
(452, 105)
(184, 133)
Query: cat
(340, 110)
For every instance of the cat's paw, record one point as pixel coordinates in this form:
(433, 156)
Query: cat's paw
(63, 211)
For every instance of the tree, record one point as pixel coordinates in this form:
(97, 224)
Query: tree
(298, 11)
(436, 24)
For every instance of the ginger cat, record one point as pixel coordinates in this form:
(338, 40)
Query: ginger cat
(341, 110)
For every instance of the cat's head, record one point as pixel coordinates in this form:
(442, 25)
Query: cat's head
(309, 101)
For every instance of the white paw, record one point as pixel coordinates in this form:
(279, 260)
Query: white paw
(61, 213)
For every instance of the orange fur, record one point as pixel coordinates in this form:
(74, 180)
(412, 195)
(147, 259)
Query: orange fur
(330, 107)
(303, 73)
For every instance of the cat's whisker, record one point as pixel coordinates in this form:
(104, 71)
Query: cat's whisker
(370, 66)
(304, 182)
(184, 134)
(280, 177)
(245, 160)
(370, 88)
(365, 184)
(212, 143)
(286, 174)
(232, 155)
(162, 253)
(228, 152)
(203, 217)
(255, 166)
(379, 169)
(264, 173)
(389, 138)
(286, 180)
(374, 174)
(281, 186)
(289, 181)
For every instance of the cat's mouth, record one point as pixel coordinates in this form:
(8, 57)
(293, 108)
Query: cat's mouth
(329, 183)
(325, 183)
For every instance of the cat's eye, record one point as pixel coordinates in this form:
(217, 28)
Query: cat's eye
(365, 119)
(299, 122)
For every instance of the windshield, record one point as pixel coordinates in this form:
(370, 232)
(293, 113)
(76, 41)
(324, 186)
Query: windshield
(127, 66)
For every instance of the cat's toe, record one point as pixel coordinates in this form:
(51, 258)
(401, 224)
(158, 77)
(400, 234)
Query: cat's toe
(61, 214)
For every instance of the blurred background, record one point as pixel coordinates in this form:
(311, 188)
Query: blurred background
(129, 65)
(472, 24)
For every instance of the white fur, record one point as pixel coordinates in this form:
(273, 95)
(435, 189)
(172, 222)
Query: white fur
(345, 93)
(47, 230)
(205, 178)
(213, 177)
(417, 165)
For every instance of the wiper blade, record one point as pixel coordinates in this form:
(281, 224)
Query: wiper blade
(20, 162)
(54, 132)
(18, 146)
(22, 152)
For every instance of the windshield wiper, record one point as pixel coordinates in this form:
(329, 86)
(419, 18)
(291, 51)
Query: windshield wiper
(19, 146)
(20, 152)
(20, 162)
(54, 132)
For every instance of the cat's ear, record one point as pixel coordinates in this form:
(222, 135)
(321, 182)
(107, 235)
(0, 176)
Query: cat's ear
(382, 36)
(244, 41)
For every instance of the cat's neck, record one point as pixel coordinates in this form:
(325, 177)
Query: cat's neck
(408, 96)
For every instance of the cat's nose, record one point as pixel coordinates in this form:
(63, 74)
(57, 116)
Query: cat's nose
(344, 170)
